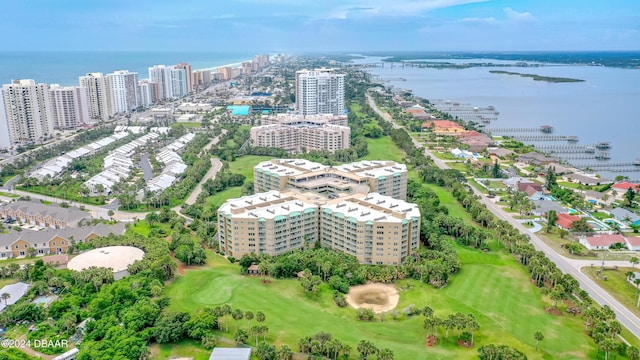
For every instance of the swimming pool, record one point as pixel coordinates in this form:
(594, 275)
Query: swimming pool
(596, 225)
(572, 211)
(614, 221)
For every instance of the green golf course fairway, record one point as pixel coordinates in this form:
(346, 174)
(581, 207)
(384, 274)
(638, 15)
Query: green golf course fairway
(492, 286)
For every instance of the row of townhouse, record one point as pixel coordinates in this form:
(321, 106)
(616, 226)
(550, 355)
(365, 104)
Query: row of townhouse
(52, 241)
(49, 216)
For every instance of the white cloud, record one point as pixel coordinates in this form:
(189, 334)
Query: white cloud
(518, 16)
(486, 20)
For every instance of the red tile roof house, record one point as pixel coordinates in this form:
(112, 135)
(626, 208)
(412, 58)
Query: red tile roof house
(623, 187)
(602, 242)
(633, 243)
(565, 221)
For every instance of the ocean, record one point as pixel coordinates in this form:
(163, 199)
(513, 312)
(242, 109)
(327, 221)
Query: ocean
(64, 67)
(603, 108)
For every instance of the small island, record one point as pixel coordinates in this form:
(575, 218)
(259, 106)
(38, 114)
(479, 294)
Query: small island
(538, 77)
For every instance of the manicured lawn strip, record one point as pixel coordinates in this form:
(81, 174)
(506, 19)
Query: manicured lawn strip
(185, 348)
(447, 199)
(219, 198)
(244, 165)
(617, 285)
(384, 149)
(493, 287)
(2, 193)
(186, 124)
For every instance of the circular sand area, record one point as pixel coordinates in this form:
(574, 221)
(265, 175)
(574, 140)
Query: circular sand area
(377, 297)
(116, 258)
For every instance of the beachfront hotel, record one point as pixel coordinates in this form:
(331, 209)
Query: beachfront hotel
(25, 113)
(320, 91)
(384, 177)
(296, 133)
(299, 202)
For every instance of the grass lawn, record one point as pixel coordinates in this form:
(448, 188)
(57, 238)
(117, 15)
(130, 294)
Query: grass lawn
(187, 124)
(219, 198)
(572, 185)
(600, 215)
(384, 149)
(491, 286)
(143, 227)
(184, 349)
(2, 193)
(447, 199)
(617, 285)
(6, 281)
(244, 165)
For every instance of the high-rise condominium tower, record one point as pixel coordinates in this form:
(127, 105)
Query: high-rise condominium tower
(26, 114)
(320, 91)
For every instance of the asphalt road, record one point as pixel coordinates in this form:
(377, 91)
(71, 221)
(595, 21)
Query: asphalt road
(147, 171)
(570, 266)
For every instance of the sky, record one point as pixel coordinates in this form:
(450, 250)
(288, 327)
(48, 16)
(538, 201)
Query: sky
(298, 26)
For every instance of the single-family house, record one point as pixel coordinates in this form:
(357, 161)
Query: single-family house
(598, 198)
(533, 190)
(602, 241)
(512, 182)
(587, 180)
(626, 216)
(623, 187)
(565, 221)
(534, 158)
(462, 154)
(544, 206)
(500, 152)
(633, 243)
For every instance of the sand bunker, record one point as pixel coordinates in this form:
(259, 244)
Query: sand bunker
(377, 297)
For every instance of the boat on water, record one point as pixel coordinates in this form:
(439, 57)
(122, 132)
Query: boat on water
(603, 156)
(572, 138)
(590, 149)
(603, 145)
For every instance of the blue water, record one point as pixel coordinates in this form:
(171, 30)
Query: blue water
(65, 67)
(603, 108)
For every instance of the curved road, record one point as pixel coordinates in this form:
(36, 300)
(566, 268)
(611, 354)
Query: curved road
(570, 266)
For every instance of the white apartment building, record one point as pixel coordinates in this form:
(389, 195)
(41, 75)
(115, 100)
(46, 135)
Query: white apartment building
(100, 96)
(320, 91)
(145, 97)
(374, 228)
(161, 74)
(179, 82)
(124, 89)
(5, 139)
(69, 106)
(27, 112)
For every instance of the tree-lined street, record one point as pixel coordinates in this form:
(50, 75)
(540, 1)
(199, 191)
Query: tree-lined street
(570, 266)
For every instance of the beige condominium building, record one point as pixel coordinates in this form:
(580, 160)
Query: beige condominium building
(374, 228)
(298, 133)
(266, 223)
(299, 202)
(384, 177)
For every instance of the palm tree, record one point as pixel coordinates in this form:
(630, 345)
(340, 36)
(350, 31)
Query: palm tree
(630, 275)
(5, 297)
(237, 315)
(284, 353)
(385, 354)
(539, 337)
(249, 316)
(634, 261)
(366, 348)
